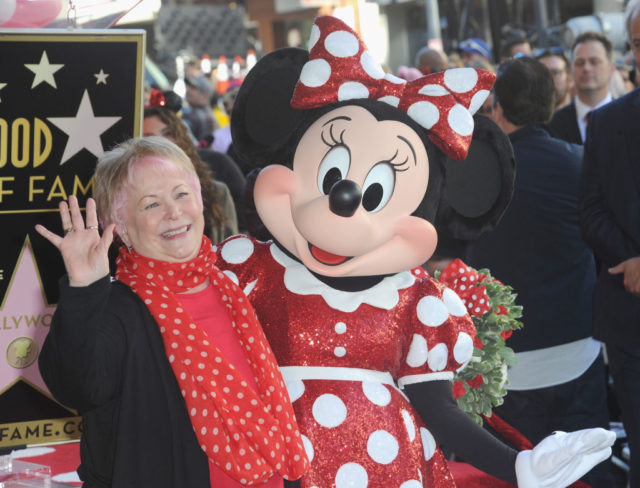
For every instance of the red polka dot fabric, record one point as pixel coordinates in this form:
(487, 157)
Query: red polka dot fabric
(340, 68)
(465, 282)
(250, 435)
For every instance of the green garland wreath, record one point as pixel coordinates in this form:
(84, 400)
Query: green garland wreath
(480, 385)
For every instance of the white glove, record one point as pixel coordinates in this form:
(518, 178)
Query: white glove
(562, 458)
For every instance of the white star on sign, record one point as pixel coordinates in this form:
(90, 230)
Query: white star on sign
(84, 130)
(101, 77)
(44, 71)
(2, 85)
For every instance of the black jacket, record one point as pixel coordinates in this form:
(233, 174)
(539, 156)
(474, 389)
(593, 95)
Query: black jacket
(610, 212)
(537, 247)
(564, 124)
(104, 356)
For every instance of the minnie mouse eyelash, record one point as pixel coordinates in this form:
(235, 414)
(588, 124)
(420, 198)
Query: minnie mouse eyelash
(398, 167)
(333, 141)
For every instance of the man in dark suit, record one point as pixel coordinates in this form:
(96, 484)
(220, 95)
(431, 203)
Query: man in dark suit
(592, 67)
(559, 380)
(610, 219)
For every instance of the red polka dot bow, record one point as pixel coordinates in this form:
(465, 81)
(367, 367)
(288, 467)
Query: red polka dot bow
(340, 67)
(465, 282)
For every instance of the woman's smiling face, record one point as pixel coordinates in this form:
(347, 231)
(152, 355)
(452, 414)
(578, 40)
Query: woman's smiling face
(163, 216)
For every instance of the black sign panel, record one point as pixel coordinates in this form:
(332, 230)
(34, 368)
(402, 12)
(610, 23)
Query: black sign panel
(65, 98)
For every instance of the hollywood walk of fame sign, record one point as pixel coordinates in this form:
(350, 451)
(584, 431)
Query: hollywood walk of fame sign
(65, 98)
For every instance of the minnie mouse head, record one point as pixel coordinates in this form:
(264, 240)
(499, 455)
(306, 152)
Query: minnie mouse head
(363, 157)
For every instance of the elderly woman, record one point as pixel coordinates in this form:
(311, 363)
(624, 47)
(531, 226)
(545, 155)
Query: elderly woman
(220, 217)
(221, 180)
(167, 364)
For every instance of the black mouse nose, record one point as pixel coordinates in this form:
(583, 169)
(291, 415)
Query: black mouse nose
(344, 198)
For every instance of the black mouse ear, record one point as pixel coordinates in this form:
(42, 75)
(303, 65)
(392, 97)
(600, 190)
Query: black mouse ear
(478, 189)
(262, 120)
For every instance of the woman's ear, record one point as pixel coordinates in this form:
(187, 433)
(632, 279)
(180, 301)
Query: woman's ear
(478, 189)
(262, 120)
(124, 236)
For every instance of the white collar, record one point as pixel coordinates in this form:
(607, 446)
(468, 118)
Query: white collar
(299, 280)
(582, 109)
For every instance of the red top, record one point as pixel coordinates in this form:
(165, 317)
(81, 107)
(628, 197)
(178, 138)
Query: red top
(208, 312)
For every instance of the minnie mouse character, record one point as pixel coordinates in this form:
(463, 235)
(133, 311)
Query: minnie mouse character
(366, 340)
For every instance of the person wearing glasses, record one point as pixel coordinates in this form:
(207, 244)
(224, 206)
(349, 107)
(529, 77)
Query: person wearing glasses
(556, 60)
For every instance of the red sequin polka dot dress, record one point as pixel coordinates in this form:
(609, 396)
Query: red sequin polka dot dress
(343, 356)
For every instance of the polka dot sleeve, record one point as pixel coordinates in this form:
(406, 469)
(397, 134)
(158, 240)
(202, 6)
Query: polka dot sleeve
(239, 257)
(442, 335)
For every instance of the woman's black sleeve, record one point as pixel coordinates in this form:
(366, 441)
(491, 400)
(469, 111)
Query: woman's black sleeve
(451, 427)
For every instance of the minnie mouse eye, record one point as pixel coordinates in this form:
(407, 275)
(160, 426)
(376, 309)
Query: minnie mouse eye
(333, 168)
(378, 187)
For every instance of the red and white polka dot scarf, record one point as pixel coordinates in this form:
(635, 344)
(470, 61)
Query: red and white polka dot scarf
(249, 435)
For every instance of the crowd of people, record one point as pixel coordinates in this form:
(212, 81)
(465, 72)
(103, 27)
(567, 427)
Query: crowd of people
(568, 244)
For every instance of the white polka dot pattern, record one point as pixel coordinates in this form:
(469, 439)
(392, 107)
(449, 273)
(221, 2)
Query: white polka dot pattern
(341, 44)
(308, 447)
(460, 120)
(432, 312)
(315, 73)
(237, 251)
(469, 295)
(438, 357)
(394, 79)
(460, 80)
(433, 90)
(351, 475)
(377, 393)
(372, 68)
(295, 389)
(382, 447)
(477, 100)
(409, 425)
(453, 303)
(342, 68)
(411, 484)
(314, 36)
(329, 411)
(362, 405)
(390, 100)
(417, 351)
(425, 113)
(351, 90)
(232, 276)
(428, 443)
(463, 349)
(339, 351)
